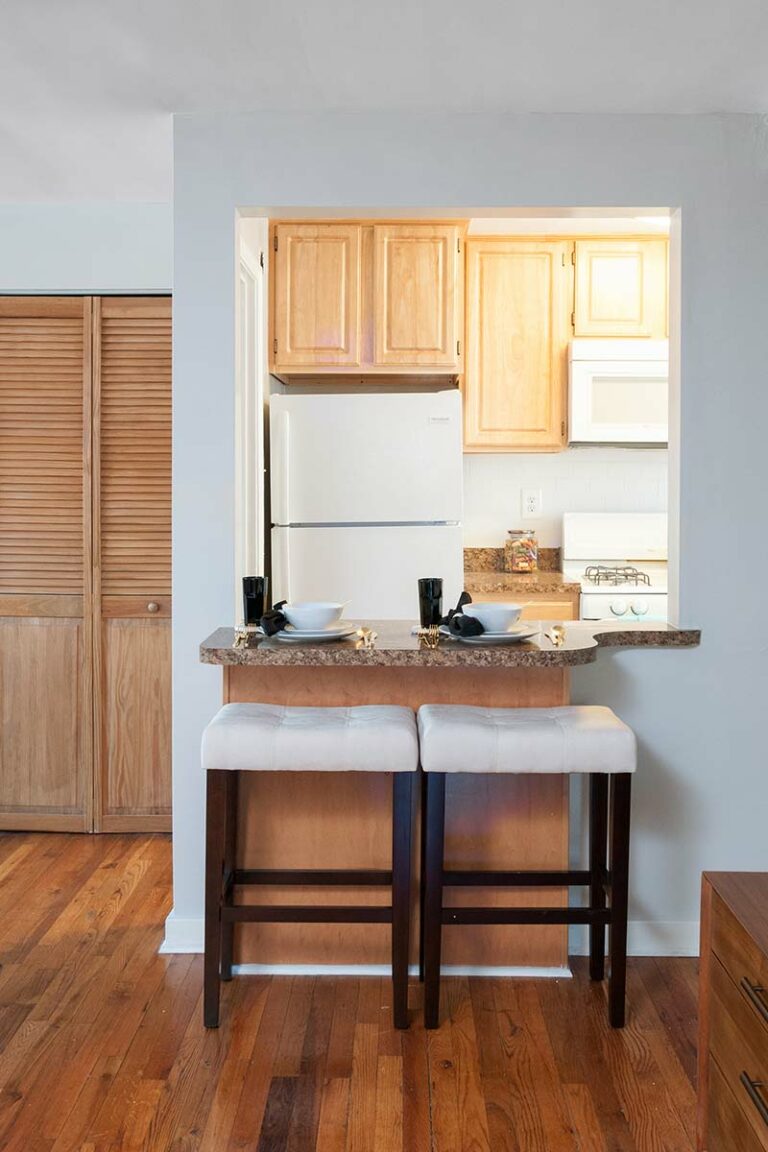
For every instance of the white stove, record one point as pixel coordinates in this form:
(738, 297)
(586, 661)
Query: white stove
(620, 562)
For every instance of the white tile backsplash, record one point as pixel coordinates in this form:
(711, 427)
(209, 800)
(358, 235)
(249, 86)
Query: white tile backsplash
(576, 480)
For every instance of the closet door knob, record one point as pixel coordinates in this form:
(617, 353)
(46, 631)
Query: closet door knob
(153, 606)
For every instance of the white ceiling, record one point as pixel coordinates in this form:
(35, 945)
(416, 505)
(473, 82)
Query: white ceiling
(87, 87)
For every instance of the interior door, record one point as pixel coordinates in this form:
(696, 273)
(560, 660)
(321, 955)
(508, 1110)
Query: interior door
(132, 546)
(45, 563)
(416, 295)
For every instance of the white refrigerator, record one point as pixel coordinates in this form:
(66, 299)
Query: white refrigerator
(366, 497)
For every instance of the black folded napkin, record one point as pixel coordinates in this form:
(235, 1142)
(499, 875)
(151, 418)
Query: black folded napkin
(460, 624)
(274, 621)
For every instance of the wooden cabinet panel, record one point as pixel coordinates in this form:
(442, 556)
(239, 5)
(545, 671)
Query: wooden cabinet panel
(135, 785)
(416, 296)
(728, 1129)
(132, 519)
(538, 606)
(45, 764)
(132, 363)
(318, 282)
(621, 288)
(517, 313)
(45, 562)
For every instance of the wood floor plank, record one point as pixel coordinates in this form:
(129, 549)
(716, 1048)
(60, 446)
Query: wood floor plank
(103, 1049)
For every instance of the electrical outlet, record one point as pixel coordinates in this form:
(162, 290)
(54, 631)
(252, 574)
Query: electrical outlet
(531, 503)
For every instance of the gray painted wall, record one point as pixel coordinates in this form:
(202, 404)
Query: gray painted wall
(701, 792)
(86, 248)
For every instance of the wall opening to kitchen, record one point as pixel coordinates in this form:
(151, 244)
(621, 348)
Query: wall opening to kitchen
(524, 487)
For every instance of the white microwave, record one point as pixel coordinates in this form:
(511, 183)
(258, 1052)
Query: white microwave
(618, 392)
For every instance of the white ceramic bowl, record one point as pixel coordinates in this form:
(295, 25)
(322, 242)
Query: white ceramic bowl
(313, 614)
(495, 617)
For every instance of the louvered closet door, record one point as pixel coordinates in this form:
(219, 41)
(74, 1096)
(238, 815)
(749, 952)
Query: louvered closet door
(45, 563)
(132, 574)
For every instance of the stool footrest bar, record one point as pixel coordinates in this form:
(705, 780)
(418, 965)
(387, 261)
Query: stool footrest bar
(526, 916)
(321, 876)
(527, 879)
(307, 914)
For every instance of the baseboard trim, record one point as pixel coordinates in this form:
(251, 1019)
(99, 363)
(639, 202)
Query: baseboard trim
(384, 970)
(644, 938)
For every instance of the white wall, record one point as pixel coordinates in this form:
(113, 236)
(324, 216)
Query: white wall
(700, 791)
(86, 248)
(577, 480)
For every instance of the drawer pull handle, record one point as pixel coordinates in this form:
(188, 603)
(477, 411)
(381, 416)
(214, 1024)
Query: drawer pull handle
(753, 1091)
(755, 993)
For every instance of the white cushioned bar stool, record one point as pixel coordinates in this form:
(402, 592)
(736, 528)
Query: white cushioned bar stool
(589, 739)
(273, 738)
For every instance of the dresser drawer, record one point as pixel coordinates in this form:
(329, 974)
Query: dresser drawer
(738, 1042)
(728, 1129)
(739, 954)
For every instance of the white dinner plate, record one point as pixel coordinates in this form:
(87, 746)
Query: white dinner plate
(515, 636)
(332, 632)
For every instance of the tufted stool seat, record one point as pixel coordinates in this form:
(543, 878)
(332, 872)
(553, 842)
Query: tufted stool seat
(277, 738)
(570, 739)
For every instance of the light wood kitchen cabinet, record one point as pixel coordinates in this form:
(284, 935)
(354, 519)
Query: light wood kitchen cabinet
(317, 301)
(132, 553)
(621, 288)
(416, 296)
(85, 404)
(45, 563)
(366, 300)
(538, 605)
(518, 306)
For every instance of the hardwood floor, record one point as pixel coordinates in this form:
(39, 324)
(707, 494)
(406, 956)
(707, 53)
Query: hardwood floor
(102, 1045)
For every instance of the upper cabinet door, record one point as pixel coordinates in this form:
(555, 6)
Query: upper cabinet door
(417, 296)
(518, 301)
(621, 288)
(317, 296)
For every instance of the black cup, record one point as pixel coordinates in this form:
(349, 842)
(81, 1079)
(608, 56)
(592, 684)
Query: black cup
(255, 602)
(430, 601)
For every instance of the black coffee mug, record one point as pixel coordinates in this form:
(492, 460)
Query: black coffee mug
(430, 601)
(255, 598)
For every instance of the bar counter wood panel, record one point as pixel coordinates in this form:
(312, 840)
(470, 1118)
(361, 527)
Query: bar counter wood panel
(311, 820)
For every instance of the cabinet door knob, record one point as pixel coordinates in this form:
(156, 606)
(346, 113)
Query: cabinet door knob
(153, 606)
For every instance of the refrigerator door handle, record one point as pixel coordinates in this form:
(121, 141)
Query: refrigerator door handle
(282, 563)
(281, 482)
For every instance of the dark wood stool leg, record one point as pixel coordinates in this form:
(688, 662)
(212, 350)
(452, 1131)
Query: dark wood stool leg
(215, 820)
(402, 808)
(423, 866)
(433, 896)
(230, 849)
(621, 795)
(598, 839)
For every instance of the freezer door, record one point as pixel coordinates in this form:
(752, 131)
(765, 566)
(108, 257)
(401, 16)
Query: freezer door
(366, 458)
(375, 569)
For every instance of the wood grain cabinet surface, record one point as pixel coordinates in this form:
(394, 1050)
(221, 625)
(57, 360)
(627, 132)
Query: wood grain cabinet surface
(518, 312)
(354, 300)
(733, 1037)
(85, 410)
(621, 288)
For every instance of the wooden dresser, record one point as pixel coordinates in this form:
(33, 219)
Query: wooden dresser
(733, 1035)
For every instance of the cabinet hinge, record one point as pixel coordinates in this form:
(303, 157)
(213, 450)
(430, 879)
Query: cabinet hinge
(458, 244)
(274, 242)
(274, 346)
(562, 428)
(261, 260)
(458, 347)
(573, 321)
(573, 255)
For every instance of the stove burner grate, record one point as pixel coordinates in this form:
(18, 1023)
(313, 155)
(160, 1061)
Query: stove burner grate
(621, 574)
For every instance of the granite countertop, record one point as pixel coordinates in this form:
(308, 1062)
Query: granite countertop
(396, 646)
(518, 583)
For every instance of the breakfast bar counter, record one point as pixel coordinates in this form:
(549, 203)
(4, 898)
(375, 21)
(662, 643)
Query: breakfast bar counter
(311, 820)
